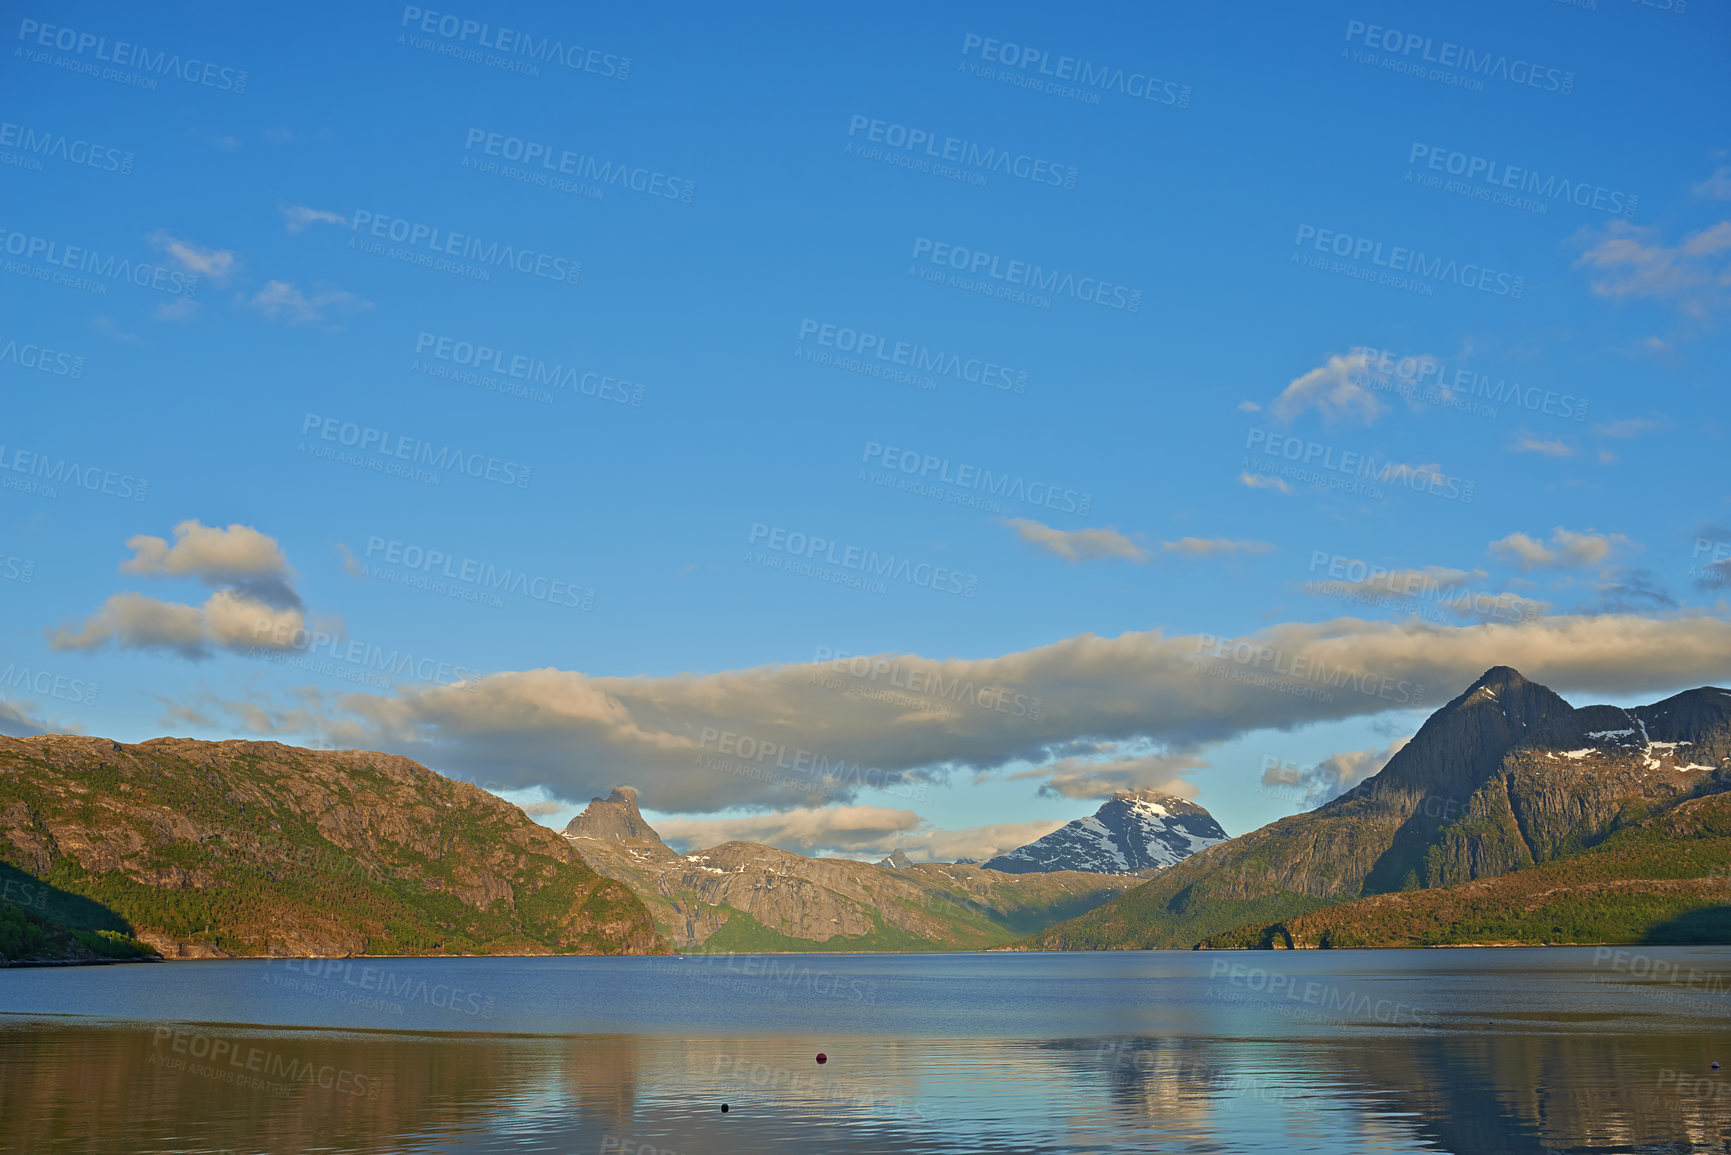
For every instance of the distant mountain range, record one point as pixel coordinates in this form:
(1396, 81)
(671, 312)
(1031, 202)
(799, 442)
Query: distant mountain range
(1131, 832)
(222, 849)
(742, 896)
(1510, 816)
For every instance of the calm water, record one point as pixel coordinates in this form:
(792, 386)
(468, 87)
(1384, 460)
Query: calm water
(1457, 1050)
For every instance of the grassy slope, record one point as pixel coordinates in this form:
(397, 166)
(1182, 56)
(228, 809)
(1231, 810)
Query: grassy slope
(255, 848)
(1661, 880)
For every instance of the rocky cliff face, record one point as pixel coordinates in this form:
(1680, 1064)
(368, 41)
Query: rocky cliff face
(1506, 775)
(255, 848)
(1130, 833)
(744, 896)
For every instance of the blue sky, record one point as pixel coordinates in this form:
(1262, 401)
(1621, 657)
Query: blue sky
(1267, 192)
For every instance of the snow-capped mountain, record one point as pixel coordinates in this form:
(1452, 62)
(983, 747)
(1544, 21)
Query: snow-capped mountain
(1131, 832)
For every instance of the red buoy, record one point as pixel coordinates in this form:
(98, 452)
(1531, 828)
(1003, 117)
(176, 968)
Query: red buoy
(822, 1058)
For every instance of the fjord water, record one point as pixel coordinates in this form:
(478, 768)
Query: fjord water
(1470, 1050)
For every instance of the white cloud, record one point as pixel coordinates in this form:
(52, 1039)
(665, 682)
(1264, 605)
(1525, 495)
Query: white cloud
(351, 564)
(216, 264)
(1333, 776)
(301, 217)
(1633, 427)
(863, 832)
(1717, 186)
(255, 603)
(179, 309)
(238, 556)
(1627, 261)
(1336, 389)
(1448, 589)
(1078, 545)
(1214, 546)
(281, 301)
(20, 720)
(1263, 481)
(1091, 777)
(1555, 447)
(1566, 549)
(578, 736)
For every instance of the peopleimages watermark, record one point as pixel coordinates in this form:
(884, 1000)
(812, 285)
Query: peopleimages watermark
(41, 358)
(1663, 979)
(524, 375)
(798, 552)
(1349, 471)
(302, 648)
(510, 49)
(1429, 379)
(31, 895)
(905, 362)
(378, 988)
(1716, 570)
(1459, 65)
(949, 157)
(1069, 77)
(36, 145)
(772, 974)
(384, 452)
(549, 166)
(464, 254)
(1013, 280)
(48, 684)
(86, 269)
(1381, 586)
(17, 569)
(63, 471)
(871, 672)
(1401, 268)
(442, 572)
(230, 1060)
(1305, 672)
(760, 759)
(971, 485)
(90, 51)
(1308, 993)
(1482, 178)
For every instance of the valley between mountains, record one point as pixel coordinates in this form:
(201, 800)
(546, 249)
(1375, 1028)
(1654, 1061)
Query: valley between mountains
(1511, 817)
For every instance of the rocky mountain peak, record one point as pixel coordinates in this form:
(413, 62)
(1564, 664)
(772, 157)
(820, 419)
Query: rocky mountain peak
(612, 819)
(896, 861)
(1133, 830)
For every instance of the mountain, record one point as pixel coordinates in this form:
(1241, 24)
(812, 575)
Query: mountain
(896, 861)
(1662, 880)
(742, 896)
(1131, 832)
(219, 849)
(1504, 777)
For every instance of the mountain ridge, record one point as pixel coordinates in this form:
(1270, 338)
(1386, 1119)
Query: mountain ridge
(747, 896)
(242, 848)
(1132, 831)
(1503, 777)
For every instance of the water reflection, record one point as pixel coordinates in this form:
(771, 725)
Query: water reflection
(237, 1089)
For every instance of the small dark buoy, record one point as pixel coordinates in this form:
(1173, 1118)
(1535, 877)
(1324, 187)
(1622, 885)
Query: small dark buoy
(822, 1058)
(724, 1108)
(1715, 1065)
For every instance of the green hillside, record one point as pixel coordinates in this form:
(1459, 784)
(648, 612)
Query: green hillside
(253, 848)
